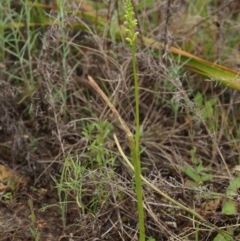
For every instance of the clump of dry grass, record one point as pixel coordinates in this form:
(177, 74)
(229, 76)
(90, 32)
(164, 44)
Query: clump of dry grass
(12, 127)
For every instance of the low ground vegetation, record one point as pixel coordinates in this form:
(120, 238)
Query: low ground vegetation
(62, 173)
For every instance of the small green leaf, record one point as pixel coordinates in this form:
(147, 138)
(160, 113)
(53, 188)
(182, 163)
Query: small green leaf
(209, 108)
(229, 208)
(151, 239)
(232, 188)
(189, 171)
(220, 237)
(198, 99)
(206, 177)
(192, 153)
(237, 182)
(200, 168)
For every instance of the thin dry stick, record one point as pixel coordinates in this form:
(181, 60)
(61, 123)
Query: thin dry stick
(98, 89)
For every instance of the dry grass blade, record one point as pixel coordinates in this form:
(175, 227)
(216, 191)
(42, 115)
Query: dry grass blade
(98, 89)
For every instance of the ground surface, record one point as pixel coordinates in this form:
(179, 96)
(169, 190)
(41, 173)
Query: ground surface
(61, 174)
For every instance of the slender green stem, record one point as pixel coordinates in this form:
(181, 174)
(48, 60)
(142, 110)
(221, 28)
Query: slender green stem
(136, 91)
(136, 154)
